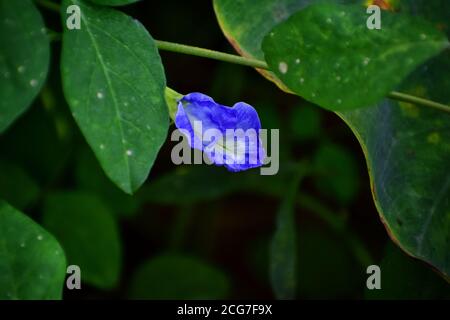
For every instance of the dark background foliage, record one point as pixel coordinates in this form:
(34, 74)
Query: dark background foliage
(219, 230)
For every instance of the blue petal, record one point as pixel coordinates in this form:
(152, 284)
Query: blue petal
(196, 108)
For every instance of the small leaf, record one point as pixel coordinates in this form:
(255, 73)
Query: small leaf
(114, 82)
(172, 98)
(189, 184)
(89, 235)
(283, 249)
(36, 145)
(32, 263)
(24, 58)
(325, 51)
(178, 277)
(16, 186)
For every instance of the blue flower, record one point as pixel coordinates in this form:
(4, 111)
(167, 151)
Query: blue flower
(228, 136)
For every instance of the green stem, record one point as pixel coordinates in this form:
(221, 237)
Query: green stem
(49, 5)
(419, 101)
(211, 54)
(226, 57)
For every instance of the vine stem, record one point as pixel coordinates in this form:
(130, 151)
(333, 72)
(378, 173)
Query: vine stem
(249, 62)
(419, 101)
(226, 57)
(211, 54)
(49, 5)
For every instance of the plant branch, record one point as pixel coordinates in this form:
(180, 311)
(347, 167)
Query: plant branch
(226, 57)
(211, 54)
(52, 6)
(419, 101)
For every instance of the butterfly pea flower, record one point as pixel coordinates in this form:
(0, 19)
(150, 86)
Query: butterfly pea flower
(229, 136)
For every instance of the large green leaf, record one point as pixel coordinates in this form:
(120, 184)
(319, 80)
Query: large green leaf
(326, 50)
(89, 235)
(24, 58)
(406, 146)
(32, 263)
(407, 279)
(176, 277)
(114, 82)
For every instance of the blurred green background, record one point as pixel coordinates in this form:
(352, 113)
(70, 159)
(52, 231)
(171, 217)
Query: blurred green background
(200, 231)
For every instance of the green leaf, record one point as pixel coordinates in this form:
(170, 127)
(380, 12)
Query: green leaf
(189, 184)
(172, 98)
(89, 235)
(114, 82)
(317, 278)
(24, 58)
(325, 51)
(283, 248)
(32, 263)
(337, 174)
(406, 146)
(16, 186)
(407, 279)
(113, 2)
(36, 144)
(178, 277)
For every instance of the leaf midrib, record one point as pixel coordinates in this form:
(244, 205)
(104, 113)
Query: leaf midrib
(116, 107)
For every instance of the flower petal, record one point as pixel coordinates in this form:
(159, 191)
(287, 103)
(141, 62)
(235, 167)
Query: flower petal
(228, 136)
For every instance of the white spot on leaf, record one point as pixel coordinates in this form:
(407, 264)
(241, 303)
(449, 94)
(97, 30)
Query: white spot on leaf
(283, 67)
